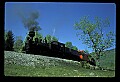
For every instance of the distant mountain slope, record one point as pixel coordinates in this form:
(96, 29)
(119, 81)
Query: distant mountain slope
(108, 59)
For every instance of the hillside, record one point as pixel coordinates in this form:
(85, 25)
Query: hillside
(108, 59)
(20, 64)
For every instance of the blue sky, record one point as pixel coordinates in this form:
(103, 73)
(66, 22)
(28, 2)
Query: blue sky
(59, 17)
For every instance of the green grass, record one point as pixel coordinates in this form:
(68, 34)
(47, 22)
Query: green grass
(19, 64)
(55, 71)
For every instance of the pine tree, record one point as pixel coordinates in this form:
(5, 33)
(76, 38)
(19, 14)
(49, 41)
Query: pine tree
(9, 42)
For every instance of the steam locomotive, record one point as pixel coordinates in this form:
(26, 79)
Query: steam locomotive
(54, 49)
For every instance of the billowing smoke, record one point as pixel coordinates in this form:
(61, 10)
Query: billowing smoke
(53, 34)
(53, 31)
(30, 21)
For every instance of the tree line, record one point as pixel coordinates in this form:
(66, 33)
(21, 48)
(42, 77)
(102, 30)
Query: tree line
(16, 43)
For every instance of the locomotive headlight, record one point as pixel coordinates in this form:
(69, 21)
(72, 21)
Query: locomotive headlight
(81, 57)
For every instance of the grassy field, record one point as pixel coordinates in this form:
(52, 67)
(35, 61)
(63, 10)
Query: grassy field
(19, 64)
(56, 71)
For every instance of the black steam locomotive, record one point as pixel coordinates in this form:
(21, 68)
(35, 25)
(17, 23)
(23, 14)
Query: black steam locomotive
(54, 49)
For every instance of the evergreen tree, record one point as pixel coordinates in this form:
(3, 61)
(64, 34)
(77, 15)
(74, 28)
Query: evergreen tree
(9, 42)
